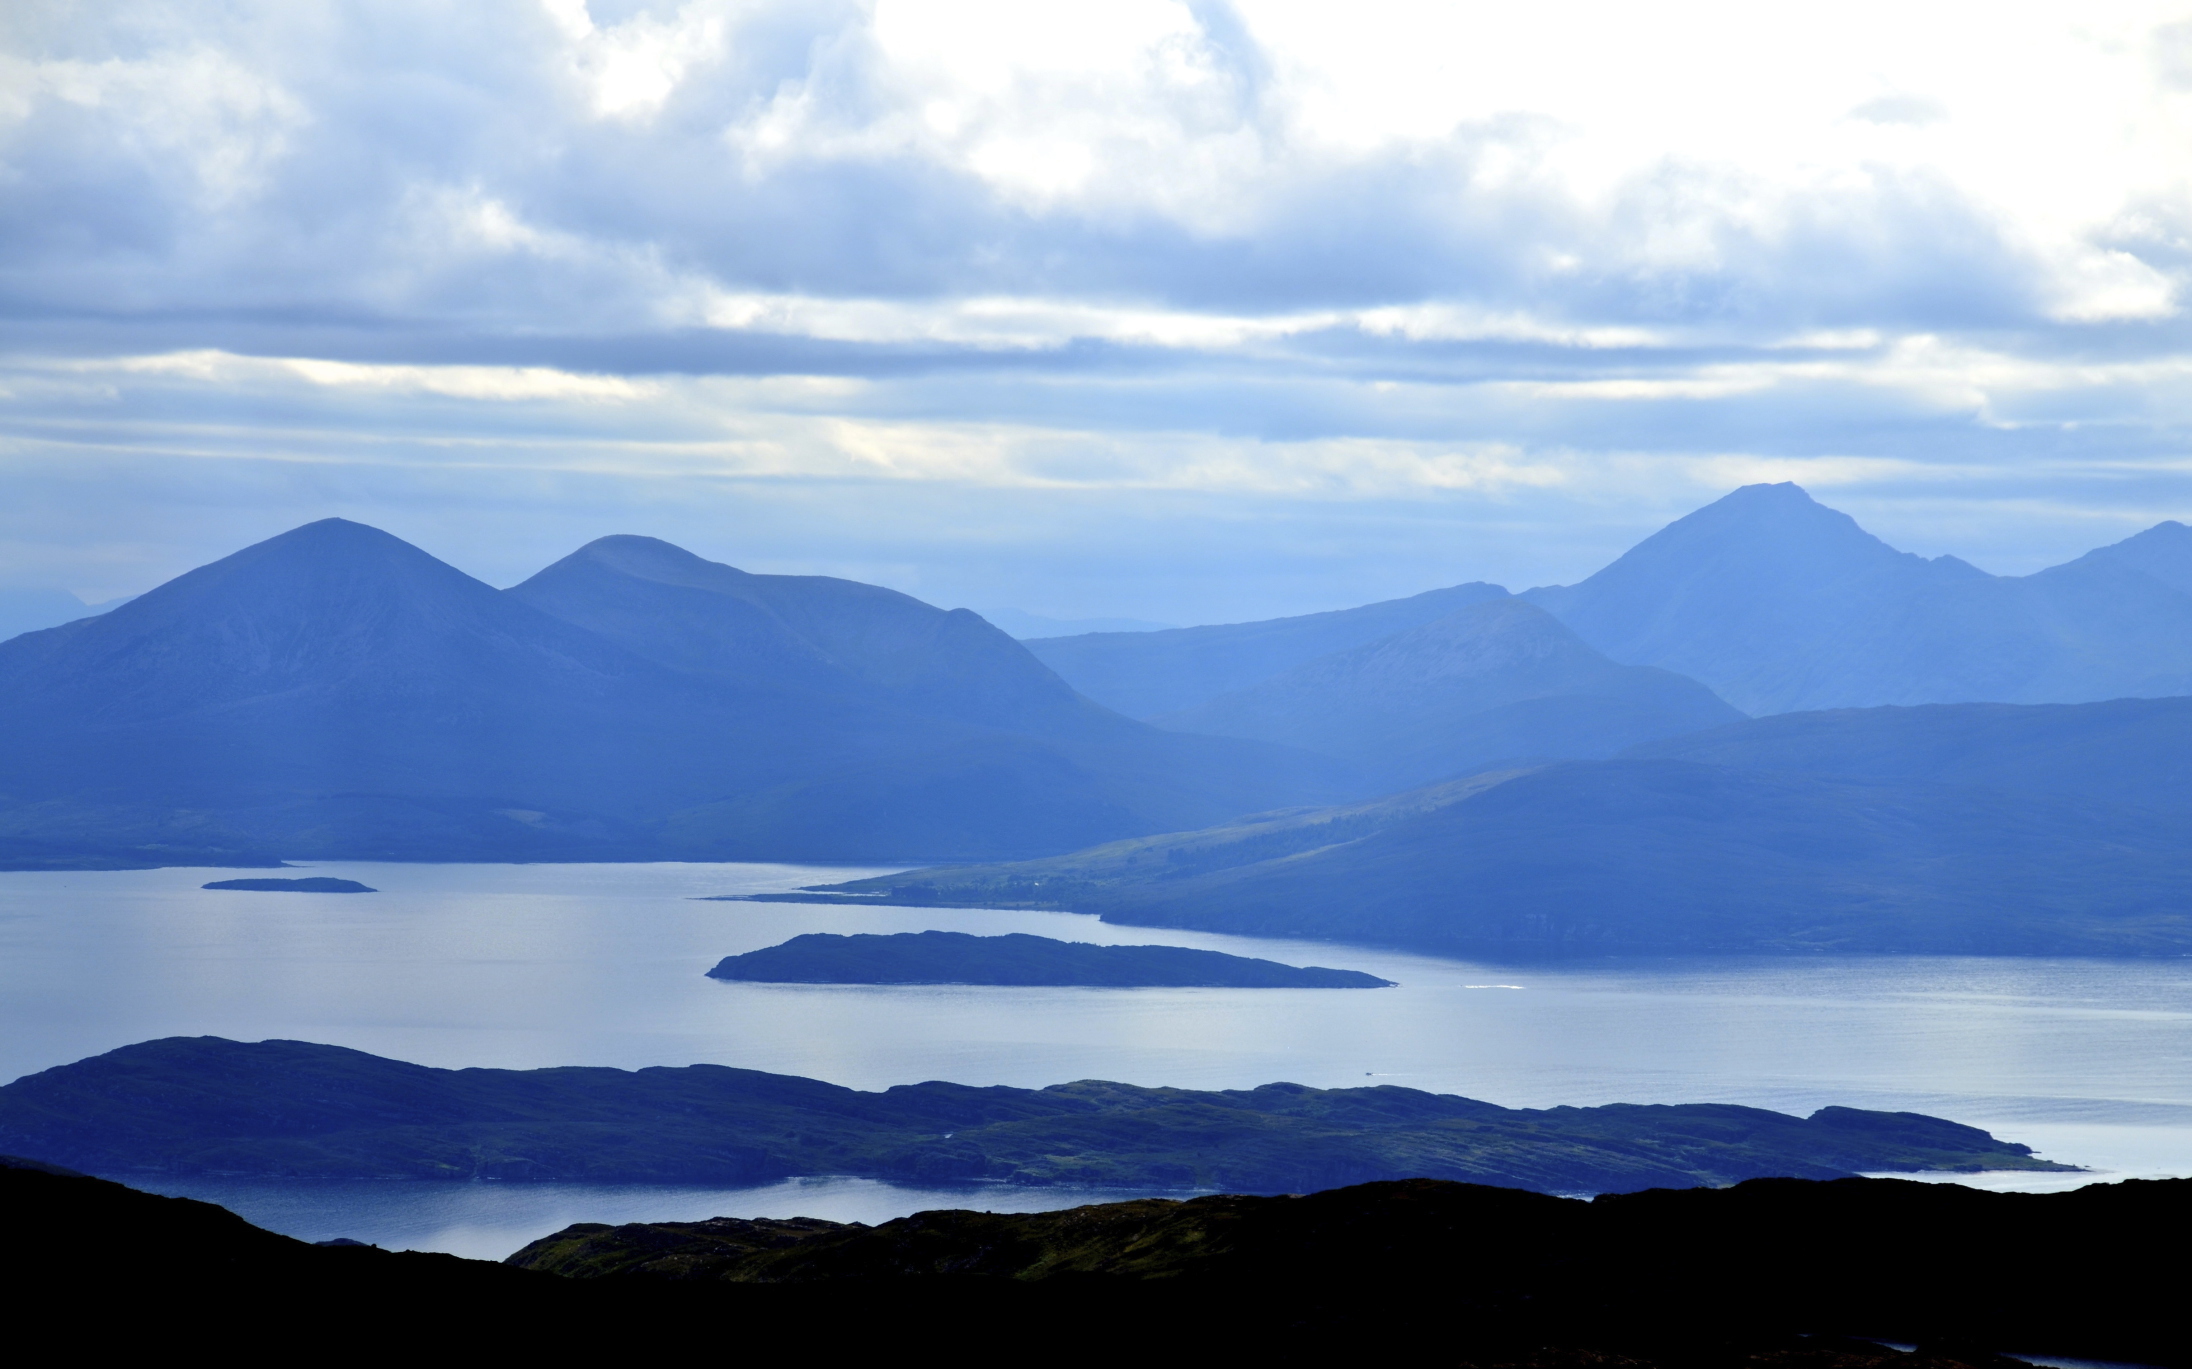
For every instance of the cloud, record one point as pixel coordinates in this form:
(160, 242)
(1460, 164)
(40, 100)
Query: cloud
(1535, 276)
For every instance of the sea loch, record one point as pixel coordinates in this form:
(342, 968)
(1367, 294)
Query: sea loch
(534, 965)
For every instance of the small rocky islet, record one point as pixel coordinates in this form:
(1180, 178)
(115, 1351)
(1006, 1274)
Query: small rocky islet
(315, 884)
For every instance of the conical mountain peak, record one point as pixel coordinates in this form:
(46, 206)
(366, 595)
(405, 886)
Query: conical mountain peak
(308, 578)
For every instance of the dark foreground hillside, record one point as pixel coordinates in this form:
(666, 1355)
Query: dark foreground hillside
(1777, 1274)
(203, 1105)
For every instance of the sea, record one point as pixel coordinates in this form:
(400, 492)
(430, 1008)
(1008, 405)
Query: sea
(521, 966)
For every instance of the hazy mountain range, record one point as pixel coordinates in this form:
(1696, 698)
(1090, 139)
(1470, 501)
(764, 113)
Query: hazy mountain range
(336, 691)
(1497, 680)
(1774, 602)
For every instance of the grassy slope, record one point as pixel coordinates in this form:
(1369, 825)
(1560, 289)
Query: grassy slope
(1094, 879)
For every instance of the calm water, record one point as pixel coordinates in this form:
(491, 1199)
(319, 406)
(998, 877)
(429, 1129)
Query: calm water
(523, 966)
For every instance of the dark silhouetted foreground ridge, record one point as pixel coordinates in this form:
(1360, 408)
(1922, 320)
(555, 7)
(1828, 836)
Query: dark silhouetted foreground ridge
(1771, 1274)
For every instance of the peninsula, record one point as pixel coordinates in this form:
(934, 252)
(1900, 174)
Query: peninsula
(1019, 959)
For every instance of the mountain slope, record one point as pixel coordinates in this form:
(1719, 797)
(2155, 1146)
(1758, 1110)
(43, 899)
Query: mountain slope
(1144, 674)
(701, 617)
(333, 657)
(2133, 753)
(1780, 604)
(1497, 680)
(2163, 552)
(1635, 856)
(336, 691)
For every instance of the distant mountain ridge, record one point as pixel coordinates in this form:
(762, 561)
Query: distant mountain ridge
(1145, 674)
(1772, 601)
(1972, 829)
(1498, 680)
(336, 691)
(802, 631)
(30, 610)
(1780, 604)
(1031, 626)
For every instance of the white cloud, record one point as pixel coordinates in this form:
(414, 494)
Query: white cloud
(192, 106)
(495, 383)
(1284, 252)
(631, 69)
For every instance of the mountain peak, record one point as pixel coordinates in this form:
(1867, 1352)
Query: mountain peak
(806, 632)
(1733, 593)
(651, 558)
(298, 572)
(1780, 491)
(331, 610)
(2162, 552)
(336, 536)
(1774, 533)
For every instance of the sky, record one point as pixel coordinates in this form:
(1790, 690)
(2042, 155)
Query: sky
(1183, 312)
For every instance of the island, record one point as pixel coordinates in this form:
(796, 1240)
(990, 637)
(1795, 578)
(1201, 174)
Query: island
(295, 1109)
(315, 884)
(1019, 959)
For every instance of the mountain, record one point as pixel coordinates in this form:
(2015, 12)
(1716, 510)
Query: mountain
(806, 632)
(1144, 674)
(336, 691)
(2163, 552)
(1780, 604)
(203, 1105)
(333, 658)
(1639, 857)
(2128, 753)
(1494, 681)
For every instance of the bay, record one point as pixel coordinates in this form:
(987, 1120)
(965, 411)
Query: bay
(531, 965)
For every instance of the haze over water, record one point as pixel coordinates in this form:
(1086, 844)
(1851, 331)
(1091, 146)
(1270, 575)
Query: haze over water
(532, 965)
